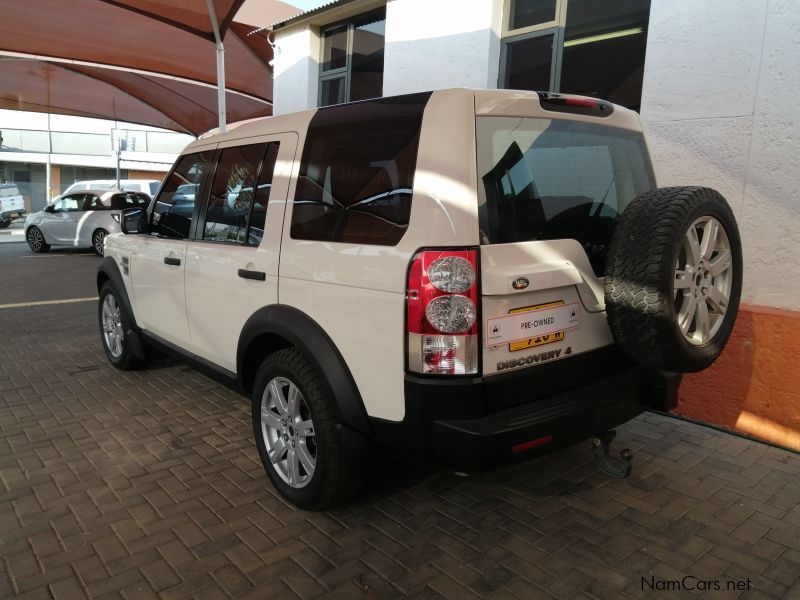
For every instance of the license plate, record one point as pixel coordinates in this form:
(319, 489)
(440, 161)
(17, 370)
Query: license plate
(558, 336)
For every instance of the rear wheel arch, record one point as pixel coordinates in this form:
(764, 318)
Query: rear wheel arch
(276, 327)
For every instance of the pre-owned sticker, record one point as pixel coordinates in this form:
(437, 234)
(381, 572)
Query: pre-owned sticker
(532, 323)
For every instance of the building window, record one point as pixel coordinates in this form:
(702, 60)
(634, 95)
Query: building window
(588, 47)
(351, 66)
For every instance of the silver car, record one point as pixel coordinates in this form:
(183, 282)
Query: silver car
(80, 219)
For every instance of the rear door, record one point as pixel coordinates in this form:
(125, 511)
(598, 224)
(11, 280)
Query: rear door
(550, 192)
(232, 262)
(158, 259)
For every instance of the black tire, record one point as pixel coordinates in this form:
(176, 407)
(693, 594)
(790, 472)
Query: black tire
(335, 478)
(97, 241)
(642, 303)
(127, 359)
(35, 239)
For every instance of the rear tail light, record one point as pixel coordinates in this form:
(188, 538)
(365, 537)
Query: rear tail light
(442, 312)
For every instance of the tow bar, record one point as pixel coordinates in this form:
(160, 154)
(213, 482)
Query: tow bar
(613, 467)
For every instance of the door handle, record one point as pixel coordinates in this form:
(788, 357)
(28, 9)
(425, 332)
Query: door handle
(255, 275)
(175, 262)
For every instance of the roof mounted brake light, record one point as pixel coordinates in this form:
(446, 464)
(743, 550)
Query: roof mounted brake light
(579, 105)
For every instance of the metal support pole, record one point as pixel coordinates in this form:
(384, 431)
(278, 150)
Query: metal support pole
(118, 159)
(48, 182)
(212, 13)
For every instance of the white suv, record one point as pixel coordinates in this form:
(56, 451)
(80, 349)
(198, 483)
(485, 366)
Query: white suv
(460, 275)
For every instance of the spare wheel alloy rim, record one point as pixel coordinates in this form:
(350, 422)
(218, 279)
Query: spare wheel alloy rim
(703, 280)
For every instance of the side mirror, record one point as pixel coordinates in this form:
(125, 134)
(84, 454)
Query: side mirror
(134, 220)
(49, 208)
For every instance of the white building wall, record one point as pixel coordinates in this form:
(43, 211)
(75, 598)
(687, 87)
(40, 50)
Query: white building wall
(296, 70)
(441, 44)
(720, 109)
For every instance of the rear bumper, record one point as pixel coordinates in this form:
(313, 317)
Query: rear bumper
(475, 422)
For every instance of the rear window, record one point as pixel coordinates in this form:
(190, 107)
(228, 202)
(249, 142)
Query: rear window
(357, 172)
(544, 179)
(128, 200)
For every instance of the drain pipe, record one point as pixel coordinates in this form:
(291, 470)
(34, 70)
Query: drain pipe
(212, 13)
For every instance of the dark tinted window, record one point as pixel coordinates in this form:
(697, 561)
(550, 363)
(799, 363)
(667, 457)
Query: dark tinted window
(366, 77)
(553, 179)
(334, 48)
(232, 193)
(525, 13)
(258, 219)
(528, 63)
(333, 91)
(92, 202)
(357, 172)
(604, 50)
(174, 206)
(153, 188)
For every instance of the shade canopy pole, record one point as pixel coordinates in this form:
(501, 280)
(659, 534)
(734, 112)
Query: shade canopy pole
(212, 13)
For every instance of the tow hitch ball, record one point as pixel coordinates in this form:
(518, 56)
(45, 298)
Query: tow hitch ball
(613, 467)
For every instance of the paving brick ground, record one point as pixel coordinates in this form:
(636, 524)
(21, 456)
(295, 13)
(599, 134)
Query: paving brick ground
(147, 484)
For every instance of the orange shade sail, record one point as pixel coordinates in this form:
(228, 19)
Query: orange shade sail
(143, 61)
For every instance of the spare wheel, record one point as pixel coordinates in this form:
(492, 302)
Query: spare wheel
(673, 278)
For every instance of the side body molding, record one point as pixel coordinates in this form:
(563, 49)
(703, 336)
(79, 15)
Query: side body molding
(268, 326)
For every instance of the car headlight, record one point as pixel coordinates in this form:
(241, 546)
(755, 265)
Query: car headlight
(115, 217)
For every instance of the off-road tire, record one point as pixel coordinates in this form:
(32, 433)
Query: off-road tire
(640, 275)
(336, 477)
(30, 237)
(128, 359)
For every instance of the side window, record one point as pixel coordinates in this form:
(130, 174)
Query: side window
(357, 172)
(174, 206)
(232, 193)
(93, 203)
(259, 216)
(70, 203)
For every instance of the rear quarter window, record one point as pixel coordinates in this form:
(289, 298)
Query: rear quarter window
(357, 172)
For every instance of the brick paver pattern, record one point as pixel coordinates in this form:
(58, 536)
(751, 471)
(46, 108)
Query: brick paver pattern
(148, 484)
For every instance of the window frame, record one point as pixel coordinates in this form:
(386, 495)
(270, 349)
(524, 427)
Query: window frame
(556, 28)
(347, 69)
(199, 232)
(201, 191)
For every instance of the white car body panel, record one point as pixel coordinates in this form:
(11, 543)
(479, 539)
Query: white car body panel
(218, 301)
(356, 292)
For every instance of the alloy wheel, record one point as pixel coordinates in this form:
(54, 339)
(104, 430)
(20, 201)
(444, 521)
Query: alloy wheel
(35, 239)
(703, 280)
(112, 326)
(99, 237)
(288, 432)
